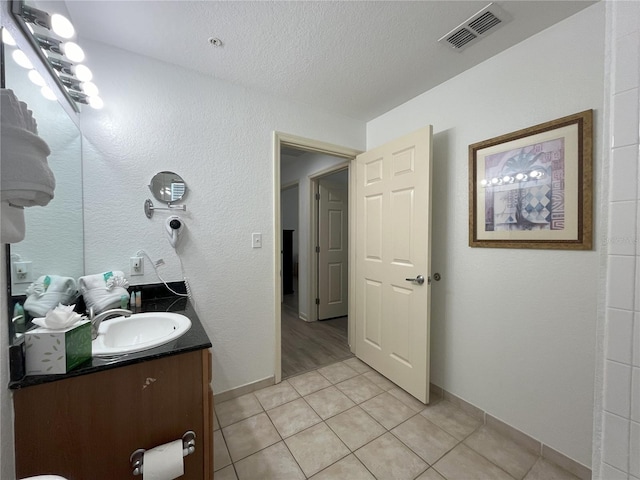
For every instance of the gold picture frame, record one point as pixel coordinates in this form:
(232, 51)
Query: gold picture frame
(533, 188)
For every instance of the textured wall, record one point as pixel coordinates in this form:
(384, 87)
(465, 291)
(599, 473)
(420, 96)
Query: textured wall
(219, 138)
(513, 331)
(617, 438)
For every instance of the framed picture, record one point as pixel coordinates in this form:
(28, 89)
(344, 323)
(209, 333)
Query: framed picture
(533, 188)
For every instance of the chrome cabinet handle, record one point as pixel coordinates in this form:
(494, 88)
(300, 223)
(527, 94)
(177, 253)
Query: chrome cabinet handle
(419, 279)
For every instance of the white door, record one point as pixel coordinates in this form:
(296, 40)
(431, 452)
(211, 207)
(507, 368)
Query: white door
(333, 253)
(393, 246)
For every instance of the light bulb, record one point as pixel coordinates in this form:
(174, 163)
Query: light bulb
(72, 51)
(62, 26)
(484, 182)
(7, 39)
(36, 78)
(96, 102)
(83, 73)
(48, 93)
(21, 59)
(89, 88)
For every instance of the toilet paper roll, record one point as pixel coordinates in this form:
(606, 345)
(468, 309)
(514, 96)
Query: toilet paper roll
(164, 462)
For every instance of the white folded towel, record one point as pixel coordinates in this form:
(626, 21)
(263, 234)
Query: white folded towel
(16, 113)
(26, 179)
(12, 224)
(49, 291)
(103, 290)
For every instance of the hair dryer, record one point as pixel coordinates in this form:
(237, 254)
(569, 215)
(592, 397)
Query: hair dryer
(174, 225)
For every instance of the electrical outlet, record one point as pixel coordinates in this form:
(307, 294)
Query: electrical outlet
(256, 240)
(137, 266)
(22, 272)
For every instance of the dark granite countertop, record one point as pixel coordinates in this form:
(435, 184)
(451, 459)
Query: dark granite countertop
(194, 339)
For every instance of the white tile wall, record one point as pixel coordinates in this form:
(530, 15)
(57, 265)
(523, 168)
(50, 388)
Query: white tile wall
(619, 335)
(617, 388)
(624, 163)
(610, 473)
(621, 415)
(634, 449)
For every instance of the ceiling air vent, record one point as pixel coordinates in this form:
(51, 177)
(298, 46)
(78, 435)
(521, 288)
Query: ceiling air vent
(476, 27)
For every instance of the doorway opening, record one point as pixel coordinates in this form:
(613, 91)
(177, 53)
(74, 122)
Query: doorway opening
(302, 168)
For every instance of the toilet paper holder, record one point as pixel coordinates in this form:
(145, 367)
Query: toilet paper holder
(188, 447)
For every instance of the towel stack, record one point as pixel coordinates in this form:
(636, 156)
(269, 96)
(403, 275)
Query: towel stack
(26, 179)
(103, 291)
(49, 291)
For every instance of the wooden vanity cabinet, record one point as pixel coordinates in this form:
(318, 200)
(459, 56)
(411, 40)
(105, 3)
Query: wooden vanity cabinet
(87, 427)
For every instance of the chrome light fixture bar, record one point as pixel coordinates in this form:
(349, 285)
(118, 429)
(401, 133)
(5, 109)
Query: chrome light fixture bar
(57, 54)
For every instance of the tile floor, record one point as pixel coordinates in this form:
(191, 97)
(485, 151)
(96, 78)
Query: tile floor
(345, 421)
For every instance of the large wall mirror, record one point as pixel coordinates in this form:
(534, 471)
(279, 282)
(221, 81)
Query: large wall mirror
(54, 240)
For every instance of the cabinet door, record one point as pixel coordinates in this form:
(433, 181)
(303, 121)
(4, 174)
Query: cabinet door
(88, 426)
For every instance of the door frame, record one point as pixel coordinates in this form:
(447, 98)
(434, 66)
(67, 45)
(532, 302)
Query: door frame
(281, 139)
(313, 236)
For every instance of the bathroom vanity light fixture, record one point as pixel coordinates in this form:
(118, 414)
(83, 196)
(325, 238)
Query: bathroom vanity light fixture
(50, 35)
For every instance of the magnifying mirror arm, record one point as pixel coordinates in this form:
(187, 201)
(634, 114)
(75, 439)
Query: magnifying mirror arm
(149, 207)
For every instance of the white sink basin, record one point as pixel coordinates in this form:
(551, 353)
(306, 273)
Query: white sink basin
(138, 332)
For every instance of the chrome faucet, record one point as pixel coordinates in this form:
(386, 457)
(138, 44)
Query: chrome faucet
(96, 320)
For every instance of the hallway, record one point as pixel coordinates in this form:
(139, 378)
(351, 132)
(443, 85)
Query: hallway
(310, 345)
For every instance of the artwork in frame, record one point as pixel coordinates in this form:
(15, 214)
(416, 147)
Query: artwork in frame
(533, 188)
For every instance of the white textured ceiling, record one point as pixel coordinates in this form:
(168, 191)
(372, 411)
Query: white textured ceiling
(357, 58)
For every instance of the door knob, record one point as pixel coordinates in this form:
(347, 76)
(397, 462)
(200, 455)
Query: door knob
(419, 279)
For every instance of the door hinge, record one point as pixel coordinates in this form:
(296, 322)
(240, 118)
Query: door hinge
(317, 301)
(317, 196)
(317, 249)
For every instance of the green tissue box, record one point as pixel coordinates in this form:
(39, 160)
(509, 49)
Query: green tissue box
(57, 351)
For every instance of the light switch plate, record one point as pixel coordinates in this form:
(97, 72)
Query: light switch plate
(256, 240)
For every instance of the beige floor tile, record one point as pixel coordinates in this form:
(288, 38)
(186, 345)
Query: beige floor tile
(464, 463)
(227, 473)
(451, 419)
(381, 381)
(337, 372)
(221, 456)
(355, 427)
(349, 468)
(249, 436)
(505, 453)
(426, 439)
(409, 400)
(272, 463)
(329, 402)
(387, 410)
(430, 474)
(387, 458)
(309, 383)
(543, 470)
(316, 448)
(293, 417)
(359, 389)
(358, 365)
(233, 411)
(216, 425)
(276, 395)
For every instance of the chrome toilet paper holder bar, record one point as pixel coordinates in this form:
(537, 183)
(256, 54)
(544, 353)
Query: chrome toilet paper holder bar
(188, 447)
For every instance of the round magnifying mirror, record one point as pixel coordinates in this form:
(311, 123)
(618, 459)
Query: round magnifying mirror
(168, 187)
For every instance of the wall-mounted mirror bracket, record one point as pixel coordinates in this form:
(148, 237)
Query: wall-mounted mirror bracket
(149, 208)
